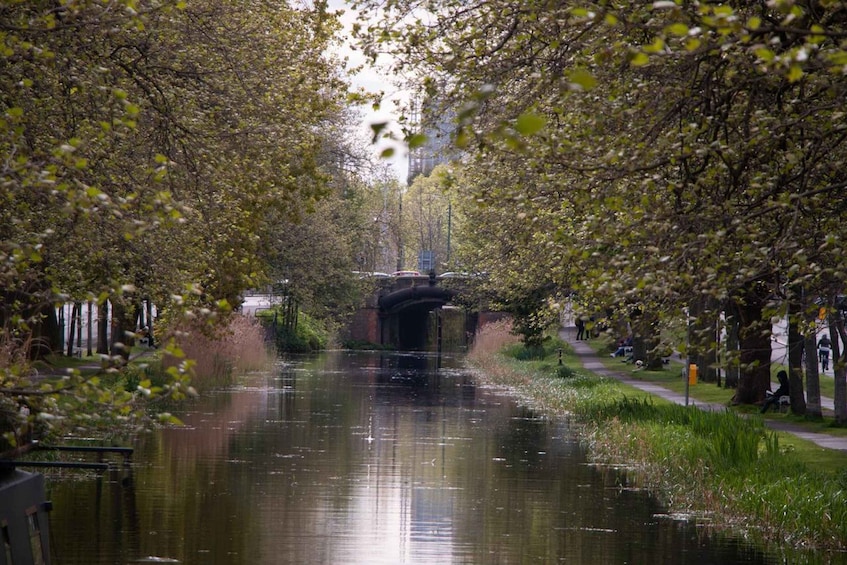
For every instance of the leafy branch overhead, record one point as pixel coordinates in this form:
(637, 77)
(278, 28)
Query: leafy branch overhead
(656, 154)
(150, 149)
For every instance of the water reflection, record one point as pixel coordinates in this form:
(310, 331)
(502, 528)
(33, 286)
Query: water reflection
(368, 458)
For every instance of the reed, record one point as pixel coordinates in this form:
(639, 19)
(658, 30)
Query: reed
(223, 352)
(14, 362)
(723, 468)
(491, 339)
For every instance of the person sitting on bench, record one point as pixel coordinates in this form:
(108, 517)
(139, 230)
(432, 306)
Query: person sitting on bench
(624, 346)
(783, 390)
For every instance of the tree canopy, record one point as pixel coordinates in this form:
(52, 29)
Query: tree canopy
(150, 151)
(665, 153)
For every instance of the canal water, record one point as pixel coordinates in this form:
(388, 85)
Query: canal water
(368, 458)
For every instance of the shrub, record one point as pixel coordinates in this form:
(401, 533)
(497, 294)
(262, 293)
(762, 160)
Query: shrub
(548, 347)
(565, 372)
(309, 334)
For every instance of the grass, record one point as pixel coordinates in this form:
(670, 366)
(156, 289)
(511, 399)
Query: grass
(671, 378)
(725, 467)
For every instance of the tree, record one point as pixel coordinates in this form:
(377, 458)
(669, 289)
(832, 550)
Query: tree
(688, 148)
(427, 213)
(500, 246)
(146, 147)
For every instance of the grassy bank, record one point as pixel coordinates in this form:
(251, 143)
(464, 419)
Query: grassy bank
(725, 468)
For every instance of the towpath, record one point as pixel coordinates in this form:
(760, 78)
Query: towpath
(591, 361)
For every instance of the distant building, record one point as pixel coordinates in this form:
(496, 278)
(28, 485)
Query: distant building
(435, 122)
(426, 261)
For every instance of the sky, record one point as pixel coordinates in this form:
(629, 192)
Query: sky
(375, 79)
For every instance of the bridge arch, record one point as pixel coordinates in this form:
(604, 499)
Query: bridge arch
(404, 314)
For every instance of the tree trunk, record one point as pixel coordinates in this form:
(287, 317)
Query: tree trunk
(702, 338)
(839, 364)
(121, 321)
(103, 328)
(755, 340)
(71, 331)
(151, 343)
(733, 374)
(88, 336)
(794, 314)
(46, 333)
(645, 341)
(813, 383)
(795, 360)
(79, 327)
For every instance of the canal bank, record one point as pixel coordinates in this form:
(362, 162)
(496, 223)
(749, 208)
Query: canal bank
(719, 468)
(590, 361)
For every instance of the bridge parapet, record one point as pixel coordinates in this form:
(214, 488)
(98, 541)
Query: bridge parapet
(400, 311)
(383, 286)
(406, 282)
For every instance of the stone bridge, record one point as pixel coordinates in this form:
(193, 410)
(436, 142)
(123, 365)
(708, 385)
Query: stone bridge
(417, 313)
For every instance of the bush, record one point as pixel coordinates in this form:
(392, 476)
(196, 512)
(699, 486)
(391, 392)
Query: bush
(548, 347)
(565, 372)
(308, 334)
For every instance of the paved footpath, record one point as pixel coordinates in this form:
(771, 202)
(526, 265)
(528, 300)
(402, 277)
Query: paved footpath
(590, 361)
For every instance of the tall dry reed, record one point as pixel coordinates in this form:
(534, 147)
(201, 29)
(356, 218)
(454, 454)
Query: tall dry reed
(492, 339)
(223, 352)
(13, 357)
(486, 356)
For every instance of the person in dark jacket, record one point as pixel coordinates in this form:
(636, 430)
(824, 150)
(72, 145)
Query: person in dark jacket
(824, 348)
(783, 390)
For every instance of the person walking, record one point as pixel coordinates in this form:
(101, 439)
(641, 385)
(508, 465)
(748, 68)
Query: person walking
(824, 348)
(580, 328)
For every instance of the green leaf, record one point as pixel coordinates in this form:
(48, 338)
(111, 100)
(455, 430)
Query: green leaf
(678, 29)
(377, 129)
(639, 59)
(417, 140)
(656, 47)
(168, 418)
(529, 123)
(583, 79)
(764, 54)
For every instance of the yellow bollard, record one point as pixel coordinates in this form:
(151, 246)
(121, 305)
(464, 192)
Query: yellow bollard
(692, 374)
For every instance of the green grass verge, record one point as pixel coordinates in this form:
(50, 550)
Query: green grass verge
(724, 467)
(671, 378)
